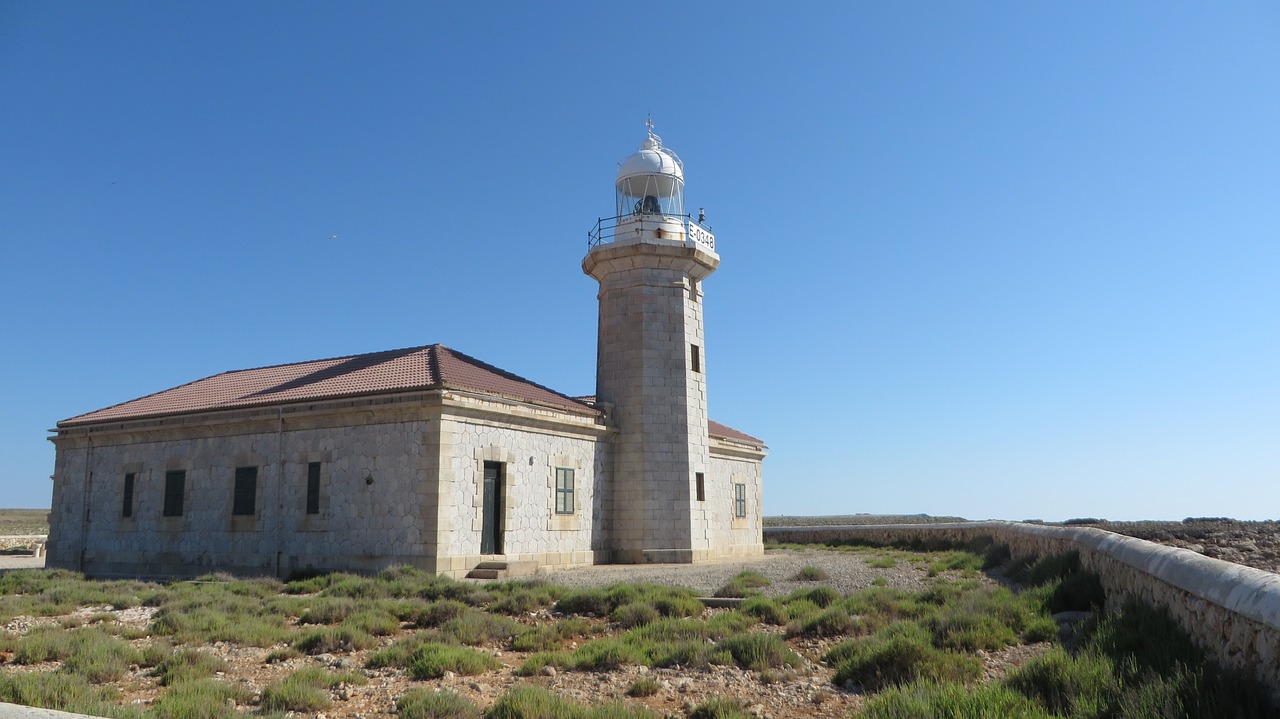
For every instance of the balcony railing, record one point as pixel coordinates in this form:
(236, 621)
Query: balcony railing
(606, 229)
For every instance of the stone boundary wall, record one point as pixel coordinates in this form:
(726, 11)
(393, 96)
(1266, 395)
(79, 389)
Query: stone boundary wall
(1230, 610)
(24, 540)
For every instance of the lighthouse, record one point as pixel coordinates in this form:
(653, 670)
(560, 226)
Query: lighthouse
(650, 259)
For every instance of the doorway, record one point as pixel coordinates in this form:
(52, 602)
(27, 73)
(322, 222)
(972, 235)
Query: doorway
(491, 529)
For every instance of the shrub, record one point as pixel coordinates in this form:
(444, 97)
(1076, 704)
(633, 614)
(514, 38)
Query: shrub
(305, 690)
(185, 665)
(822, 596)
(743, 584)
(532, 702)
(587, 601)
(328, 640)
(636, 614)
(1066, 685)
(328, 611)
(759, 652)
(425, 704)
(645, 687)
(439, 612)
(276, 656)
(432, 660)
(474, 628)
(721, 708)
(811, 574)
(372, 621)
(898, 655)
(830, 622)
(949, 700)
(550, 636)
(606, 655)
(63, 692)
(198, 699)
(524, 597)
(882, 563)
(765, 610)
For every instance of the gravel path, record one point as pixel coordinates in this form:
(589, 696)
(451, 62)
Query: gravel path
(848, 572)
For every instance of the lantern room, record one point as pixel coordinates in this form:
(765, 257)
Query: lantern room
(650, 181)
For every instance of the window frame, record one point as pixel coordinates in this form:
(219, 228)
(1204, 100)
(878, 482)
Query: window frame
(312, 505)
(700, 486)
(739, 500)
(244, 492)
(175, 493)
(695, 358)
(130, 488)
(565, 490)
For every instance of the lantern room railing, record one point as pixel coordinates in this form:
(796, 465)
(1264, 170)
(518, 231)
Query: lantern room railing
(607, 228)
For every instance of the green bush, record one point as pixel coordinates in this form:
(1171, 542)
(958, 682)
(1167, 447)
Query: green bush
(823, 596)
(198, 699)
(949, 700)
(811, 574)
(830, 622)
(185, 665)
(328, 610)
(372, 621)
(645, 687)
(636, 614)
(1074, 687)
(759, 652)
(721, 708)
(593, 602)
(438, 612)
(898, 655)
(443, 704)
(765, 610)
(431, 661)
(328, 640)
(306, 690)
(533, 702)
(63, 692)
(475, 628)
(882, 563)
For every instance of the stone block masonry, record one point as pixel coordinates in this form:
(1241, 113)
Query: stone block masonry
(1231, 611)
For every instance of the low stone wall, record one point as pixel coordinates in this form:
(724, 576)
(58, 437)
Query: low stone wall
(1232, 611)
(30, 541)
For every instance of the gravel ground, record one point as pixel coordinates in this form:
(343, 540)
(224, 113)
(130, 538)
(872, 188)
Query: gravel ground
(848, 572)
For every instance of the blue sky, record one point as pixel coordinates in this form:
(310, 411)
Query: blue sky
(1013, 260)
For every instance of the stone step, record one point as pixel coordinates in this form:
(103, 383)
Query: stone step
(498, 569)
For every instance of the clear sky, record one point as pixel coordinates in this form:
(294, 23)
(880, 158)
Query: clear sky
(1013, 260)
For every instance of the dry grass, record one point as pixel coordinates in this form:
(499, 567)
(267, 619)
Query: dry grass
(23, 521)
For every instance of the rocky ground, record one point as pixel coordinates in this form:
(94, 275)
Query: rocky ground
(1253, 544)
(805, 691)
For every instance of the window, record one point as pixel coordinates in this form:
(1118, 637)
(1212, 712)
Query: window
(699, 481)
(127, 509)
(175, 485)
(739, 500)
(313, 488)
(246, 491)
(696, 355)
(564, 490)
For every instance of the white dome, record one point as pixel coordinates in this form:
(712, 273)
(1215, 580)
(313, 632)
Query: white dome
(652, 167)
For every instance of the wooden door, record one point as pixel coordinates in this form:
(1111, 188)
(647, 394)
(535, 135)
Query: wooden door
(491, 532)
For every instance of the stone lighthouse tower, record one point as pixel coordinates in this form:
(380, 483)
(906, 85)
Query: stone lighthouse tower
(650, 260)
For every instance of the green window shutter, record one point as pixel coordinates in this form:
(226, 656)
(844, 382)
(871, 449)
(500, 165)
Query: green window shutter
(313, 488)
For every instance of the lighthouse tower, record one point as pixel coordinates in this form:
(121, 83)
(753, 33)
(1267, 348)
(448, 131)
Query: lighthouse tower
(650, 260)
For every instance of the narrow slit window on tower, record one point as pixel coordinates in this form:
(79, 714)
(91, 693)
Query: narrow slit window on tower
(127, 509)
(175, 485)
(313, 488)
(246, 491)
(695, 354)
(700, 486)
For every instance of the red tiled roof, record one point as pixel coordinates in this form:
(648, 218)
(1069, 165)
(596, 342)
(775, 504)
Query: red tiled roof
(415, 368)
(715, 429)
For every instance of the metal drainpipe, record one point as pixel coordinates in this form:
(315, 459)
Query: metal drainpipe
(279, 484)
(84, 519)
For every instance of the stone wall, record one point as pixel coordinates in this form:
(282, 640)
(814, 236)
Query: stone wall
(372, 494)
(1232, 611)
